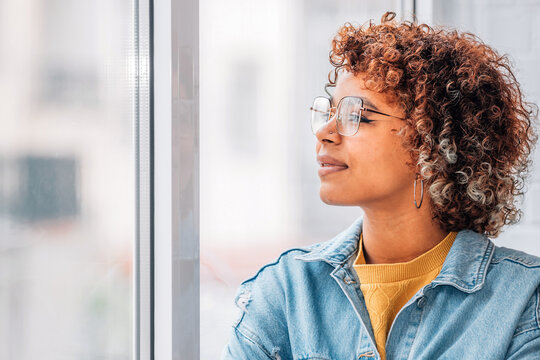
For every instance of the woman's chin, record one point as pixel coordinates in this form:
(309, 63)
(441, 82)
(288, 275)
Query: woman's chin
(332, 197)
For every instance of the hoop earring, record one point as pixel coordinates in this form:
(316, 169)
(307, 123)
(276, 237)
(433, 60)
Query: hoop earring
(421, 192)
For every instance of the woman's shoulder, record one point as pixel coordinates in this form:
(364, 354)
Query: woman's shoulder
(263, 297)
(518, 275)
(285, 263)
(277, 280)
(513, 269)
(510, 256)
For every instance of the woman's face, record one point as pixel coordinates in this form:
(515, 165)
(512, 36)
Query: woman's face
(376, 174)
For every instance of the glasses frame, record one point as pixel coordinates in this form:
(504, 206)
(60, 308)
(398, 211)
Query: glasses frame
(362, 108)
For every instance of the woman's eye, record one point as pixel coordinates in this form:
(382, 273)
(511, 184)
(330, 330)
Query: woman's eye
(366, 120)
(363, 119)
(355, 118)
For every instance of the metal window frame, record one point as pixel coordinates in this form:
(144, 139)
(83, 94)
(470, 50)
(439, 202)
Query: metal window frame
(176, 321)
(141, 80)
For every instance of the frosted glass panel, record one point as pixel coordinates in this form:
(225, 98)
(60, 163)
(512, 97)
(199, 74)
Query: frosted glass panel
(67, 180)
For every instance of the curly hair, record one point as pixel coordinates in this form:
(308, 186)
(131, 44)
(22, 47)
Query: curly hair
(472, 131)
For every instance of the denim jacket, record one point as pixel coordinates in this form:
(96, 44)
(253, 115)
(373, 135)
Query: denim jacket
(484, 304)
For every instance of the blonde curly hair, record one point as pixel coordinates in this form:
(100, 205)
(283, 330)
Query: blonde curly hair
(472, 132)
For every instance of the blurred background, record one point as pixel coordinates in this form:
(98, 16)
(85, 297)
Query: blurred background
(67, 155)
(261, 65)
(67, 184)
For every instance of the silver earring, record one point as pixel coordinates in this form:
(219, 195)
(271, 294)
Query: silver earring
(421, 192)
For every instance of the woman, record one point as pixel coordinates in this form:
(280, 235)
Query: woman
(426, 130)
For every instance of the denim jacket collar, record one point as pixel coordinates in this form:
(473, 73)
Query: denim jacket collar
(465, 265)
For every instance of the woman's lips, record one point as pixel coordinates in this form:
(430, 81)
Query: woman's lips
(326, 169)
(329, 164)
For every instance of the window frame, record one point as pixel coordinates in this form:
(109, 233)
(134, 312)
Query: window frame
(175, 157)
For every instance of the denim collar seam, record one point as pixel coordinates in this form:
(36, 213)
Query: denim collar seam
(538, 306)
(335, 258)
(488, 255)
(478, 282)
(515, 259)
(474, 283)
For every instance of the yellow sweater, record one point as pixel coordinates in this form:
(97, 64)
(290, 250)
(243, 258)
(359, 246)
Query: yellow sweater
(388, 287)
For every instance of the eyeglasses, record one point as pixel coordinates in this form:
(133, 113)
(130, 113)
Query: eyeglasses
(349, 113)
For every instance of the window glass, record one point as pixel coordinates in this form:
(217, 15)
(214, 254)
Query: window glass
(67, 180)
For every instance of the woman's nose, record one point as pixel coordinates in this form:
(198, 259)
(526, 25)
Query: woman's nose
(328, 131)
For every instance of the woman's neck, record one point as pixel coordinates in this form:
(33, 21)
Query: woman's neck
(399, 237)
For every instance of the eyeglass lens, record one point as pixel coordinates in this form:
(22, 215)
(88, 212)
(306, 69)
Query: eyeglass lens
(348, 117)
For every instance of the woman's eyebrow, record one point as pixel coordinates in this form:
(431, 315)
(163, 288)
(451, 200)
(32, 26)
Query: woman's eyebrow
(365, 101)
(370, 104)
